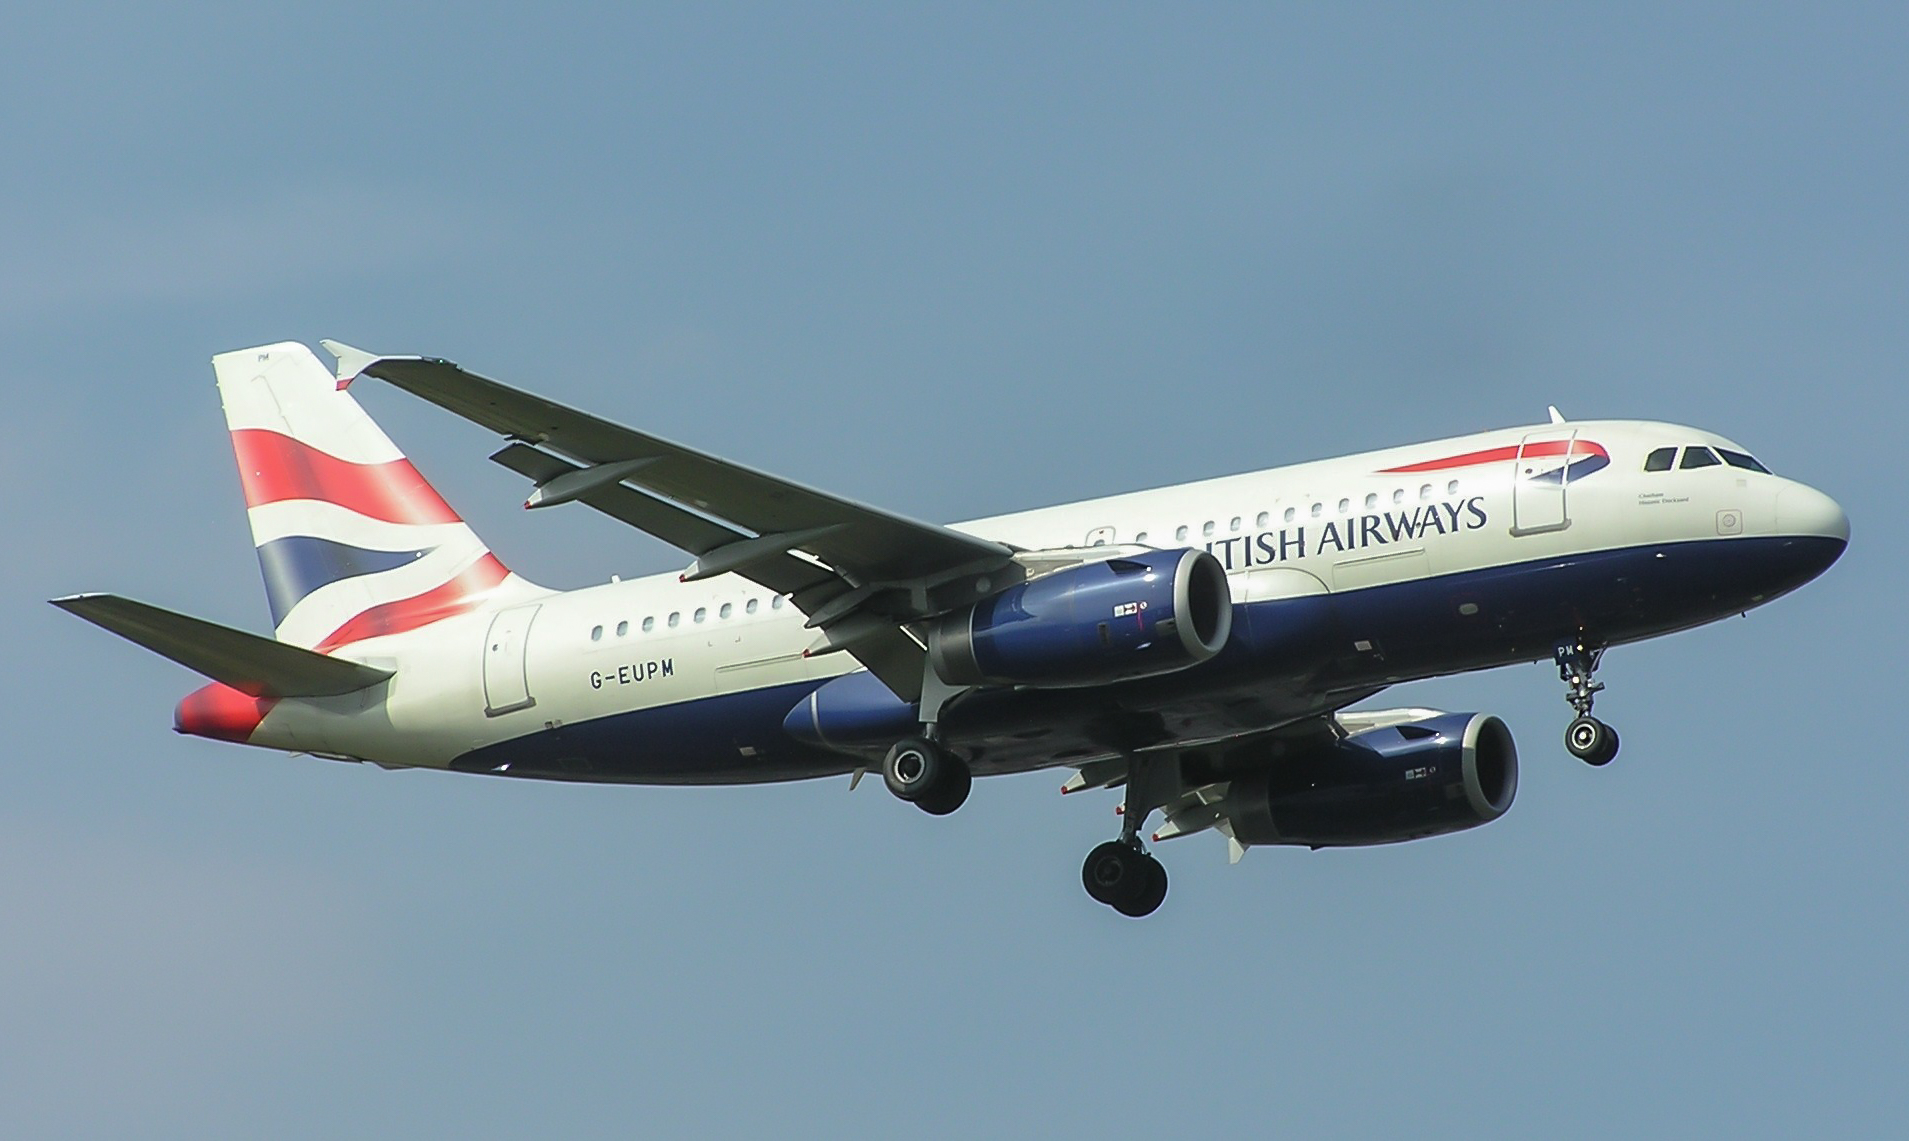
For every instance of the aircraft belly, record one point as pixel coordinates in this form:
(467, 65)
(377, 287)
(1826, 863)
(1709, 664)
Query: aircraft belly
(1291, 658)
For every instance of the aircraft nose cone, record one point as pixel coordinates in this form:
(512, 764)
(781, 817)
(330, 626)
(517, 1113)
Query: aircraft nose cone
(1802, 510)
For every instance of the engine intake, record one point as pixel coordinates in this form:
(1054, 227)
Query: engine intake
(1127, 617)
(1383, 786)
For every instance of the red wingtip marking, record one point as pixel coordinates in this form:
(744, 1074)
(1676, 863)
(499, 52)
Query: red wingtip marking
(221, 713)
(344, 382)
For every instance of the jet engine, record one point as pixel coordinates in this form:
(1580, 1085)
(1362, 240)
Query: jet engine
(1382, 786)
(1125, 617)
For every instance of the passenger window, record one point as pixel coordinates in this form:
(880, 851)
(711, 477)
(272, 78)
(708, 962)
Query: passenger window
(1451, 488)
(1738, 459)
(1179, 535)
(1660, 460)
(1425, 493)
(1371, 500)
(649, 623)
(1141, 537)
(750, 606)
(596, 633)
(1345, 505)
(702, 612)
(775, 603)
(1699, 457)
(622, 628)
(1206, 532)
(1235, 524)
(1398, 497)
(1265, 517)
(675, 616)
(1291, 513)
(1318, 509)
(725, 611)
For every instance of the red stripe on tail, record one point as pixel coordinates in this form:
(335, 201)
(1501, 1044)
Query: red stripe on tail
(275, 467)
(463, 593)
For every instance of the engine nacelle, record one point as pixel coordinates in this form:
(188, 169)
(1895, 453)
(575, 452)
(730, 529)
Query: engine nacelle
(1383, 786)
(1122, 618)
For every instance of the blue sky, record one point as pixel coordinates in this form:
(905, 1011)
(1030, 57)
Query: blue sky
(955, 262)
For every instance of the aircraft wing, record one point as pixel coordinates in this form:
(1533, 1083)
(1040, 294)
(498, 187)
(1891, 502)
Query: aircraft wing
(868, 572)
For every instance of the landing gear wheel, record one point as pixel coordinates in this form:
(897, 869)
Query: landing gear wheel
(956, 781)
(1591, 741)
(1151, 893)
(922, 773)
(1124, 878)
(1109, 871)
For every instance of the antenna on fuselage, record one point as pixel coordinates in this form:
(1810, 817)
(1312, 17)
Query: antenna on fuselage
(1557, 417)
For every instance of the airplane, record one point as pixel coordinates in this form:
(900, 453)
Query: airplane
(1199, 646)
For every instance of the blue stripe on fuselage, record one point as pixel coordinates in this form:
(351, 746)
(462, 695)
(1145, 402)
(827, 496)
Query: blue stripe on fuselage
(1288, 658)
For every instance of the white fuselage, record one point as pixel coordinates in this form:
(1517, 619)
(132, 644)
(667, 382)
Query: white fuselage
(1329, 527)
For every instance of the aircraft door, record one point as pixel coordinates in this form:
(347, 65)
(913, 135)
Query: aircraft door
(506, 673)
(1540, 479)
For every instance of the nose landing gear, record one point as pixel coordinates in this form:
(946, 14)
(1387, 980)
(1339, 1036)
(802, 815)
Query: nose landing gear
(1587, 738)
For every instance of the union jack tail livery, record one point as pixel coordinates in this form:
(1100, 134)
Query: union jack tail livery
(352, 541)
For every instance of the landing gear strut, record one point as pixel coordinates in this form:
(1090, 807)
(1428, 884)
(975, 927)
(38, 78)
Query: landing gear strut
(1587, 738)
(1120, 873)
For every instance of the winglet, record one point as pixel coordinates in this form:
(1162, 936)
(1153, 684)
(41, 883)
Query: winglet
(351, 361)
(1557, 417)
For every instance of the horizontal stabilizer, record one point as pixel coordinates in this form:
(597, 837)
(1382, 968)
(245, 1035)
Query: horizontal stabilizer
(253, 665)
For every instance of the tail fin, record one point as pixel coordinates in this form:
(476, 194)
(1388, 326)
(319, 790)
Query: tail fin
(352, 541)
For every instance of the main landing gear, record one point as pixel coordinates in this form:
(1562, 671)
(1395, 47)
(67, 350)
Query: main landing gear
(921, 772)
(918, 769)
(1121, 873)
(1587, 738)
(1125, 877)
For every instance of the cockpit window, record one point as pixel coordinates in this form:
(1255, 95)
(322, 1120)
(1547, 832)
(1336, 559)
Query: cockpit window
(1660, 460)
(1738, 459)
(1699, 457)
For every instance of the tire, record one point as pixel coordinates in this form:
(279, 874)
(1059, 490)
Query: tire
(912, 769)
(1609, 752)
(1150, 894)
(1591, 741)
(952, 790)
(1110, 872)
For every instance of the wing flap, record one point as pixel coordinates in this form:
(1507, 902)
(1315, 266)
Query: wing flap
(253, 665)
(867, 542)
